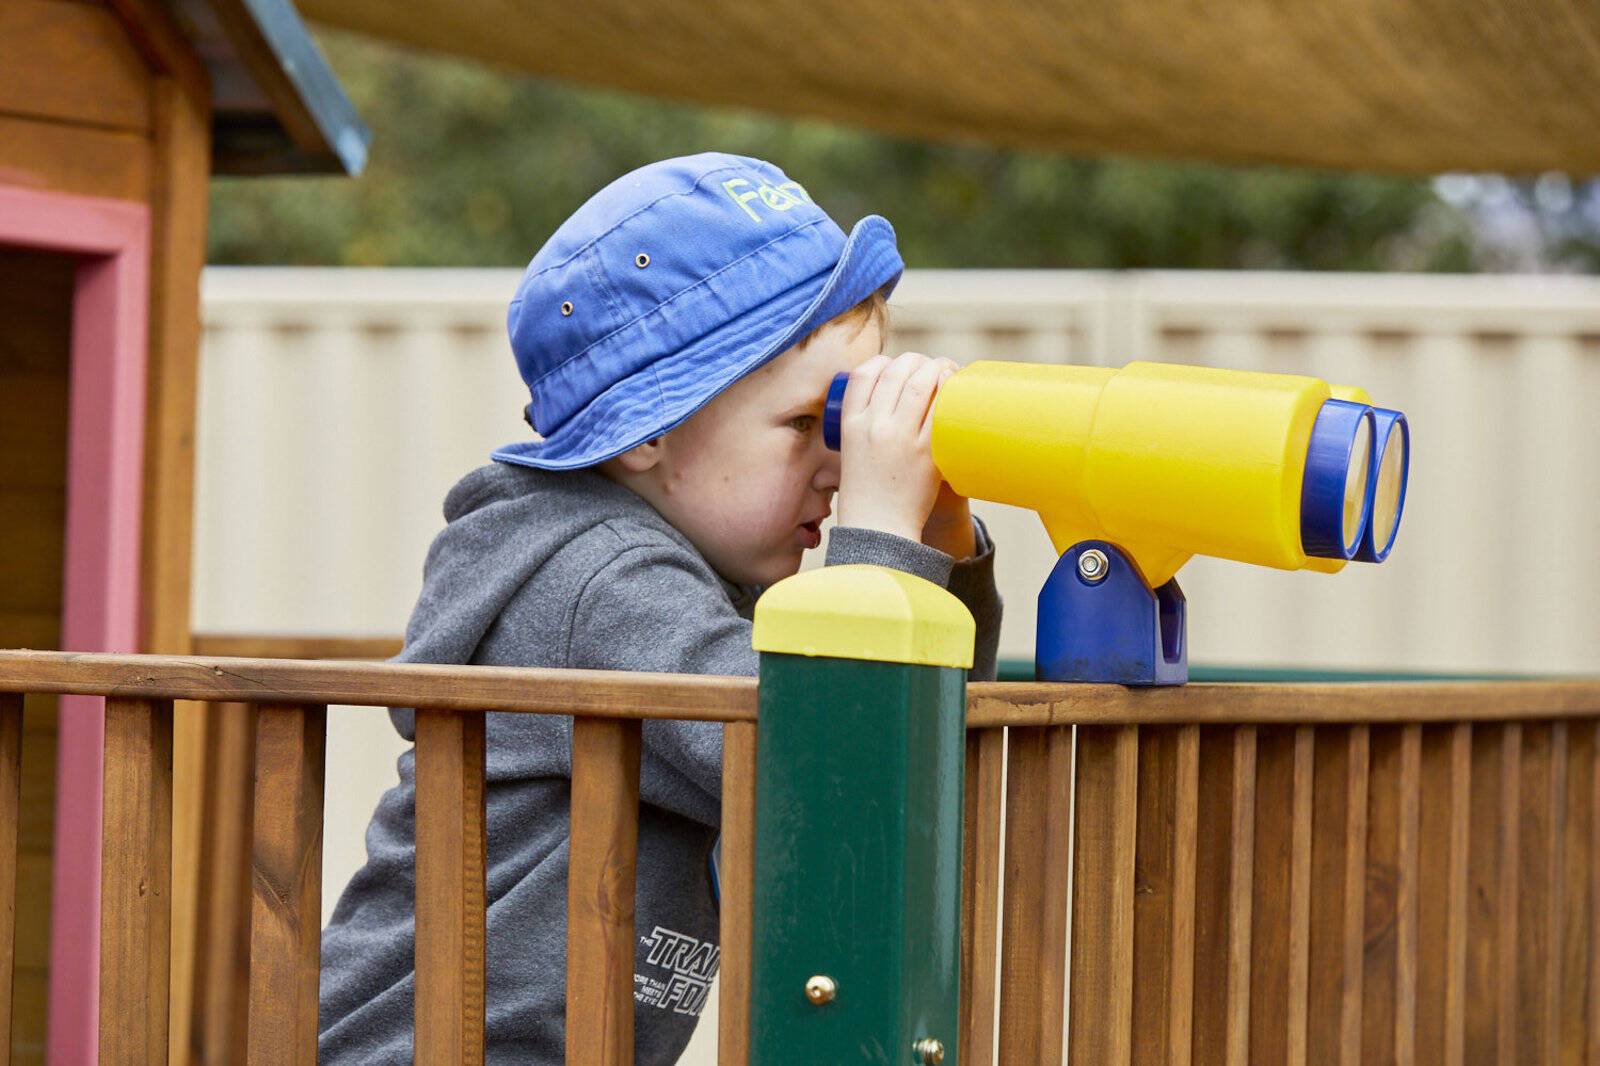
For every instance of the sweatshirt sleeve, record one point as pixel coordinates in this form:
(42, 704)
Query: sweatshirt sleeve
(970, 580)
(652, 607)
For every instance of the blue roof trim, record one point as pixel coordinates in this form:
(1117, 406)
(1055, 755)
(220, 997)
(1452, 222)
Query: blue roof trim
(344, 135)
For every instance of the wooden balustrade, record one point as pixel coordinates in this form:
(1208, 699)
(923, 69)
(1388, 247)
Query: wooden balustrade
(10, 799)
(1334, 873)
(286, 884)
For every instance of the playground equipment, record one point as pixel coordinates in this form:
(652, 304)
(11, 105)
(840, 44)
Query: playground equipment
(1136, 470)
(110, 130)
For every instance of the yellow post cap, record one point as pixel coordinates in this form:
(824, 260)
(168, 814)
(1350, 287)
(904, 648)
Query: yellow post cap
(859, 611)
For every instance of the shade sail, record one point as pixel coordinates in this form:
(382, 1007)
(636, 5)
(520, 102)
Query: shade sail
(1414, 86)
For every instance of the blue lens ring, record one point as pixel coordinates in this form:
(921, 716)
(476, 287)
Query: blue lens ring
(832, 409)
(1390, 429)
(1327, 471)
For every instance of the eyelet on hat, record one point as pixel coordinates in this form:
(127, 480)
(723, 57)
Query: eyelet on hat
(566, 307)
(641, 260)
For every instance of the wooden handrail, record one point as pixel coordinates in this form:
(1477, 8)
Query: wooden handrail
(1205, 816)
(607, 694)
(585, 693)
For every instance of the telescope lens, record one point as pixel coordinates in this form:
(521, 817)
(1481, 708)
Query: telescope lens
(1355, 490)
(1334, 502)
(1389, 491)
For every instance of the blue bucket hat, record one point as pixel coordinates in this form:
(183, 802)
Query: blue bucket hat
(666, 287)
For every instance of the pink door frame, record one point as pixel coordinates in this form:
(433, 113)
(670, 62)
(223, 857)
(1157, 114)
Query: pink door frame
(100, 600)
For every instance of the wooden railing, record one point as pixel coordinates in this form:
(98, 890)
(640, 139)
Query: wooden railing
(1300, 874)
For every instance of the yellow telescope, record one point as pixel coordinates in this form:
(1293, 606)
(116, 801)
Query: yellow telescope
(1136, 470)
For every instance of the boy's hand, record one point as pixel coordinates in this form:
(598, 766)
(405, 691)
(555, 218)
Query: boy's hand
(949, 525)
(887, 480)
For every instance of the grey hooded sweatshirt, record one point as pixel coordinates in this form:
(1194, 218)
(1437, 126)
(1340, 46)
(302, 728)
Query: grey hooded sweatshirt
(570, 569)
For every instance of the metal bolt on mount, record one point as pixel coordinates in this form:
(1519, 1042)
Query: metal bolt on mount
(1093, 565)
(930, 1052)
(821, 989)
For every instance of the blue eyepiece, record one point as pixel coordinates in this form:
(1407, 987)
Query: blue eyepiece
(1386, 490)
(1336, 494)
(831, 409)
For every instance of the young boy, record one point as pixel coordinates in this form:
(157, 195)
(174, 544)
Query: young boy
(677, 334)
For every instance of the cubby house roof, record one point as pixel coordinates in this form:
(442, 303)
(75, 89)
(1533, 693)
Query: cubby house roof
(277, 107)
(1411, 86)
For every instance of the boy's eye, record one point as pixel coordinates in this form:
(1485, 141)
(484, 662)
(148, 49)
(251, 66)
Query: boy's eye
(803, 423)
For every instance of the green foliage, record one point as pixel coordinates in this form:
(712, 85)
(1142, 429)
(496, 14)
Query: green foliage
(472, 166)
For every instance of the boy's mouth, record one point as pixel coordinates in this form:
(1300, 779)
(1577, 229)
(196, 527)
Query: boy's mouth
(811, 533)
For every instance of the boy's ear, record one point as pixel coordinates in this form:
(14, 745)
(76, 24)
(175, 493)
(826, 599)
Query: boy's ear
(641, 457)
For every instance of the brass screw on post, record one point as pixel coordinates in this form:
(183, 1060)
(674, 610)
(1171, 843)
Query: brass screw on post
(821, 989)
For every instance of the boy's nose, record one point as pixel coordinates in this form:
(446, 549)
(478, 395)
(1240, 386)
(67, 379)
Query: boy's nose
(826, 478)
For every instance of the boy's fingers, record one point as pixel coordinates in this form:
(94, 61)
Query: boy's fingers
(863, 382)
(886, 397)
(918, 392)
(927, 417)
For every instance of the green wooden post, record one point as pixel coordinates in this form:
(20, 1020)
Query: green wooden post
(857, 918)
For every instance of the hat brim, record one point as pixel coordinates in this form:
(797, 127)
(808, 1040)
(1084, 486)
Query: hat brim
(643, 406)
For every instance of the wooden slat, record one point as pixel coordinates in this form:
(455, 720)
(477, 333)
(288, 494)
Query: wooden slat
(35, 876)
(733, 699)
(1490, 1020)
(1592, 1028)
(1405, 919)
(1105, 814)
(1224, 873)
(74, 159)
(1446, 774)
(10, 800)
(1577, 938)
(737, 885)
(1033, 946)
(1269, 909)
(1509, 882)
(450, 960)
(286, 884)
(1542, 801)
(1163, 926)
(1281, 906)
(219, 1024)
(1386, 1036)
(71, 63)
(1305, 754)
(1338, 869)
(980, 894)
(600, 891)
(190, 725)
(135, 867)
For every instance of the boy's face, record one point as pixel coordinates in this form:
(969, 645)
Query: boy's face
(747, 478)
